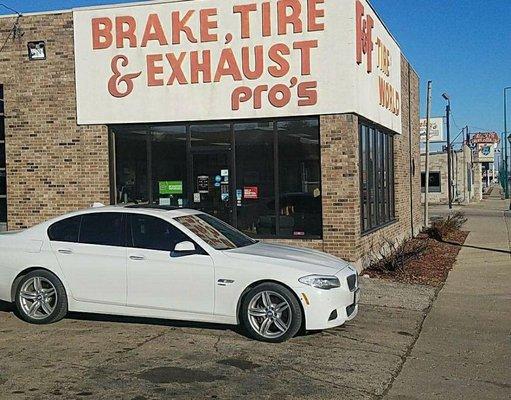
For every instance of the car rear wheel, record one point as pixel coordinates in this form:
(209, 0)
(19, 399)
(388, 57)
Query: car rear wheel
(41, 298)
(271, 313)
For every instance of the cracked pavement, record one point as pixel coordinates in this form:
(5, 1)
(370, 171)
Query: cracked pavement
(97, 357)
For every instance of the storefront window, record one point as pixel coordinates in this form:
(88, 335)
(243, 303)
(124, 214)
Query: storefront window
(2, 127)
(261, 176)
(255, 178)
(376, 177)
(211, 137)
(131, 164)
(299, 178)
(3, 183)
(168, 166)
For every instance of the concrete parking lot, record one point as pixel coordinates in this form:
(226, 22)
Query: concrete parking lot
(97, 357)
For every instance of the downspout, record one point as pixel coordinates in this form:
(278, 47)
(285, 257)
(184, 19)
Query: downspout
(412, 169)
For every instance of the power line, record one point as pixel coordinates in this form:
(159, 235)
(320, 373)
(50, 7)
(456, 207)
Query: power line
(454, 120)
(10, 9)
(15, 30)
(7, 39)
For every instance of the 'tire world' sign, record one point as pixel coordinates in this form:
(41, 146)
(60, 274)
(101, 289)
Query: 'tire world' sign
(211, 60)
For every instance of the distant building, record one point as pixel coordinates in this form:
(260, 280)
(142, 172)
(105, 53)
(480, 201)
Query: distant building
(466, 177)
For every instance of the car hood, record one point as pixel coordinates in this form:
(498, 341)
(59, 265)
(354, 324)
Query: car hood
(317, 261)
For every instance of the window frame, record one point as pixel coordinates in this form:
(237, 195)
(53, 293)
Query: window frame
(114, 131)
(376, 177)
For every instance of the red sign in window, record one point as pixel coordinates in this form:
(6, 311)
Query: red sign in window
(251, 192)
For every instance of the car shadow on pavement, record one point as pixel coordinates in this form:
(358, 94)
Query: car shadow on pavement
(6, 307)
(10, 308)
(150, 321)
(167, 322)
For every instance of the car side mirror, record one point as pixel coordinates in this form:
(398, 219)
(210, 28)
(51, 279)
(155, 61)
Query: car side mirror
(184, 249)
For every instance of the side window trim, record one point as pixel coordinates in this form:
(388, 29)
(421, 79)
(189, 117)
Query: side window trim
(128, 232)
(79, 230)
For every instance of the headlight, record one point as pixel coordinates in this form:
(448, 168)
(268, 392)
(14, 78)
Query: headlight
(321, 281)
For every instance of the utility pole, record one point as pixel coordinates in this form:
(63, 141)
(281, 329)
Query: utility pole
(464, 165)
(506, 161)
(426, 186)
(449, 166)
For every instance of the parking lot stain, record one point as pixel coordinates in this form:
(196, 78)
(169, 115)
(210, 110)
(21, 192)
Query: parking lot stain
(244, 365)
(404, 333)
(178, 375)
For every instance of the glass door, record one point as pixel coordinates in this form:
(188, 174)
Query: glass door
(212, 186)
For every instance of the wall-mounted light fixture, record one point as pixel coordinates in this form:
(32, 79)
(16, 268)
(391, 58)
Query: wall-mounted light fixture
(36, 50)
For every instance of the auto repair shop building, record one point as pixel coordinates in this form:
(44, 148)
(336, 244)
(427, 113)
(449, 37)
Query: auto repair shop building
(296, 121)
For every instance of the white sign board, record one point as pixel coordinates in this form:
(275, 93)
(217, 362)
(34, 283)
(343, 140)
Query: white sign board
(485, 152)
(230, 59)
(436, 129)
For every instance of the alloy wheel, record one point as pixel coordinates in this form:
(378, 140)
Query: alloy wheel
(269, 314)
(38, 298)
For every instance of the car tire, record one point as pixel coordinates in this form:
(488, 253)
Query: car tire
(271, 313)
(41, 298)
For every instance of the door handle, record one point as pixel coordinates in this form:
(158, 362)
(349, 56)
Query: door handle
(65, 251)
(137, 258)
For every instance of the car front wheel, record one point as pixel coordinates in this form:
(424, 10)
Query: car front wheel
(41, 298)
(271, 313)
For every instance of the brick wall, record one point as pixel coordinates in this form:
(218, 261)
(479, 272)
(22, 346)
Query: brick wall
(340, 181)
(53, 165)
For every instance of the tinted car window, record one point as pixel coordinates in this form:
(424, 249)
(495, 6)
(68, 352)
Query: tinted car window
(154, 233)
(103, 229)
(65, 230)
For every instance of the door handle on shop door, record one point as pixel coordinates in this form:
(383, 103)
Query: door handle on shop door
(137, 258)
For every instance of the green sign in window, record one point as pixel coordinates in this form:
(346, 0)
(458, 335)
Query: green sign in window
(171, 187)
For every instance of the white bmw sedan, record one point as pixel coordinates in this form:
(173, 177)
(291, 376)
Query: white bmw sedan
(175, 264)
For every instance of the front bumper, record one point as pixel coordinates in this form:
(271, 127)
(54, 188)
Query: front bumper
(330, 308)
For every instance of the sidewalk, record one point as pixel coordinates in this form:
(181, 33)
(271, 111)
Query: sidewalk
(464, 349)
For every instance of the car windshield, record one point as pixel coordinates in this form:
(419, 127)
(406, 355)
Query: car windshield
(214, 232)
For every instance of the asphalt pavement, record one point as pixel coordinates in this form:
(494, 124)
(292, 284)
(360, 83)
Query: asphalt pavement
(95, 357)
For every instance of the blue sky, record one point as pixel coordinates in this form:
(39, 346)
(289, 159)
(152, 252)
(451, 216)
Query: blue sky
(463, 46)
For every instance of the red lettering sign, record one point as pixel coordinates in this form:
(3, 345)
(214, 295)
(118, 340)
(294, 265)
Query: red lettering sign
(251, 192)
(364, 39)
(290, 62)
